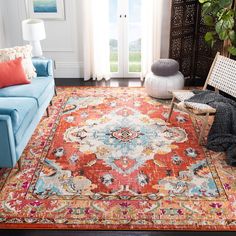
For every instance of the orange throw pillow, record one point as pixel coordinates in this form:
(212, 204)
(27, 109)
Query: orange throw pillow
(12, 73)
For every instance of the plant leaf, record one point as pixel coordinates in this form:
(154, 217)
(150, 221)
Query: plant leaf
(232, 50)
(226, 23)
(230, 13)
(215, 8)
(223, 35)
(209, 38)
(232, 36)
(219, 26)
(228, 19)
(225, 3)
(206, 8)
(203, 1)
(208, 20)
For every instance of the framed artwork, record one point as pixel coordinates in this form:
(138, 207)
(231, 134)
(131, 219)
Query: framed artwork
(46, 9)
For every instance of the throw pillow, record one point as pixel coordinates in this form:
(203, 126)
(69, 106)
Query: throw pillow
(12, 73)
(24, 52)
(41, 67)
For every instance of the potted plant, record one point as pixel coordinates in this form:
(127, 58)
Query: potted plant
(219, 15)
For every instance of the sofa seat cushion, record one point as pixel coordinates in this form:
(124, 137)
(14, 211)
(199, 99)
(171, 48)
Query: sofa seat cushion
(37, 89)
(22, 108)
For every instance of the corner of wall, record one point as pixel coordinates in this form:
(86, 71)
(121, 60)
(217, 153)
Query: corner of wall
(166, 8)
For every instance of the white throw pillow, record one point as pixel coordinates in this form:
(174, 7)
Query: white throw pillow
(25, 52)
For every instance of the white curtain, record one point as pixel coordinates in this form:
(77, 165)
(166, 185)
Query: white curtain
(96, 39)
(151, 33)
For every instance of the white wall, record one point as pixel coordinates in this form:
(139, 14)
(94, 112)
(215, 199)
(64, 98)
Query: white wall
(2, 31)
(64, 42)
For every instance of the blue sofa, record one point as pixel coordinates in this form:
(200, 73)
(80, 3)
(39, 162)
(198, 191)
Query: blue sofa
(21, 108)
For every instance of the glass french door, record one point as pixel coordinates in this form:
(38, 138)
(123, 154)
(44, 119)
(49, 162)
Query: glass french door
(125, 38)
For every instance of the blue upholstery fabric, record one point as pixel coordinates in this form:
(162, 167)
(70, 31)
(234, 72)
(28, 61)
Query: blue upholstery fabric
(9, 111)
(25, 108)
(35, 89)
(43, 67)
(45, 93)
(7, 144)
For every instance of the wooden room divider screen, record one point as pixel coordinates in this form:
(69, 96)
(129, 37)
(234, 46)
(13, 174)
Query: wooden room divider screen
(187, 44)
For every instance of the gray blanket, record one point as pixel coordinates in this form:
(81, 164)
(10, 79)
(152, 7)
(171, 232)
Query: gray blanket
(222, 135)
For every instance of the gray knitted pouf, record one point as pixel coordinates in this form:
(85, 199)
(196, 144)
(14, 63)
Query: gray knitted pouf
(165, 67)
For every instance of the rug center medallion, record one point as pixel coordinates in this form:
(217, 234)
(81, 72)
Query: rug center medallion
(125, 134)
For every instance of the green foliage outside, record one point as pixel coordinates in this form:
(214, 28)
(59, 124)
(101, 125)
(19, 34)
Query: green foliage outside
(220, 16)
(114, 61)
(114, 56)
(135, 57)
(134, 61)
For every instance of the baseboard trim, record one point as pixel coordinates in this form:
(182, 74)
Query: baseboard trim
(68, 69)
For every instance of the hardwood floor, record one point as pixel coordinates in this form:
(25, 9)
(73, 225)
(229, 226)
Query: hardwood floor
(110, 83)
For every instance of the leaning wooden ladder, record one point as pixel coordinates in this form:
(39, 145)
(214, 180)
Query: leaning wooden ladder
(222, 77)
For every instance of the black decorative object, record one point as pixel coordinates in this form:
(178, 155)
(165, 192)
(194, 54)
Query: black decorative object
(187, 44)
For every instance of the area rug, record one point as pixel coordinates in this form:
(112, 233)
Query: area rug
(106, 159)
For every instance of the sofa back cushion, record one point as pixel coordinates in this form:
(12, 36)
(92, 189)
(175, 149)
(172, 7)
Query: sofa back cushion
(24, 52)
(12, 73)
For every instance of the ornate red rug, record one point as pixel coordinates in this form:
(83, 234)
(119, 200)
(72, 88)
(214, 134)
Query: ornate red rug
(106, 159)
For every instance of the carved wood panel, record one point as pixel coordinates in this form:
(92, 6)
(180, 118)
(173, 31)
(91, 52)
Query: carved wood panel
(187, 44)
(183, 24)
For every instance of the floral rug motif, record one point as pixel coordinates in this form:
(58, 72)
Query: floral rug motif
(107, 159)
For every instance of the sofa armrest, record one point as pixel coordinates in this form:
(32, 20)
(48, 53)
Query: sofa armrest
(13, 113)
(7, 143)
(44, 67)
